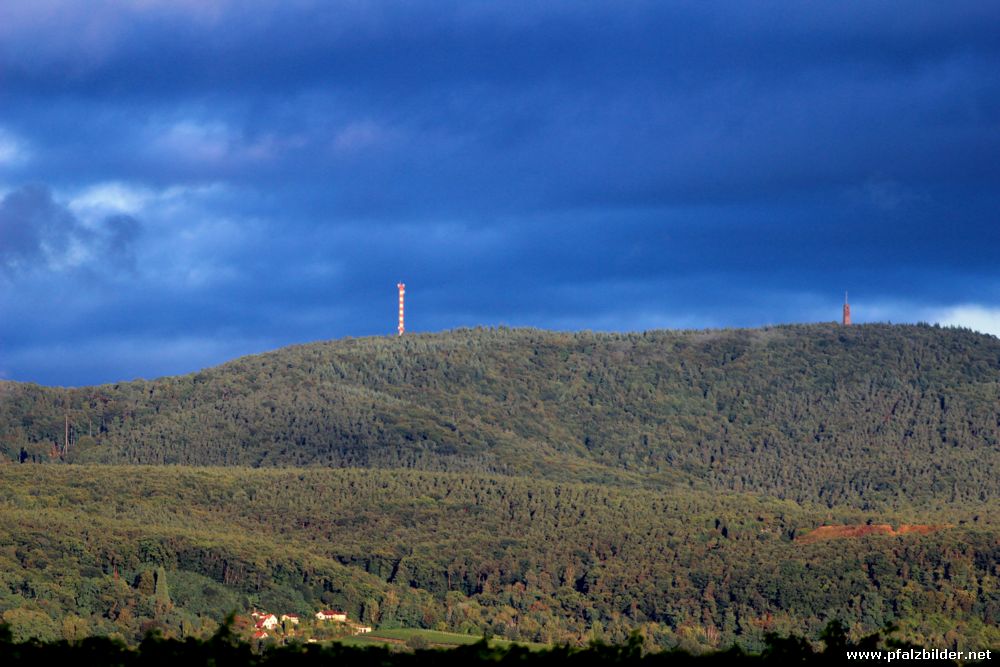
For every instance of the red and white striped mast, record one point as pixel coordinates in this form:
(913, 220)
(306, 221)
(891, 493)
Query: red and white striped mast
(402, 292)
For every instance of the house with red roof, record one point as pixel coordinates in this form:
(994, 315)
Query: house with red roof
(269, 622)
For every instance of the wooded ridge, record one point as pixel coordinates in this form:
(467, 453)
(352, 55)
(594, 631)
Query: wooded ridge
(701, 487)
(872, 415)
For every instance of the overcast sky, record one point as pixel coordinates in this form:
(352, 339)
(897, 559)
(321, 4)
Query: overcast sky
(183, 182)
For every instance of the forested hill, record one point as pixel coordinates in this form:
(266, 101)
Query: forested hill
(864, 415)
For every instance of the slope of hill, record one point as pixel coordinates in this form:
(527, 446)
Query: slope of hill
(518, 558)
(870, 415)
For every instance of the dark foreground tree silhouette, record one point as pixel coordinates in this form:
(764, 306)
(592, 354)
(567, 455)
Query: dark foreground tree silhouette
(225, 649)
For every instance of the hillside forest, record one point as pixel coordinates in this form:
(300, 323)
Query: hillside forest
(701, 488)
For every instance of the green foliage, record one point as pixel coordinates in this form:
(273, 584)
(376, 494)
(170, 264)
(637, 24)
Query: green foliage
(514, 558)
(872, 415)
(224, 649)
(161, 593)
(528, 485)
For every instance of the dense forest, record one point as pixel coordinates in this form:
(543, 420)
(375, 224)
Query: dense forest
(873, 415)
(120, 550)
(699, 488)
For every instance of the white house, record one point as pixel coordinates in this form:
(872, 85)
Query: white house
(269, 622)
(332, 615)
(290, 618)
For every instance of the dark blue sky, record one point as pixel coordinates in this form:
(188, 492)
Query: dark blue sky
(180, 185)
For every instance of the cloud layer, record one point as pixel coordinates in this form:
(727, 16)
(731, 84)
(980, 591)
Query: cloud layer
(38, 235)
(564, 164)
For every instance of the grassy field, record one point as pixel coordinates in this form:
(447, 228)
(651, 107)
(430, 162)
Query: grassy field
(361, 640)
(433, 638)
(430, 636)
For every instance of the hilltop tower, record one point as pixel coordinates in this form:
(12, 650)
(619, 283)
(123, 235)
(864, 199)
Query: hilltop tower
(847, 312)
(402, 292)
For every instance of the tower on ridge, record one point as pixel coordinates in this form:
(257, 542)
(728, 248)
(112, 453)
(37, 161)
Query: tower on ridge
(847, 312)
(402, 292)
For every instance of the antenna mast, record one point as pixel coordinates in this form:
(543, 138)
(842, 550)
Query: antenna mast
(402, 292)
(847, 312)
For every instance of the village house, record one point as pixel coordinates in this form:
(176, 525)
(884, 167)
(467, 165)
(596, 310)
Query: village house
(269, 622)
(290, 618)
(260, 634)
(334, 615)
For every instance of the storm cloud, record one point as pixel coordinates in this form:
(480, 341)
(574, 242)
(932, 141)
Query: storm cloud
(39, 235)
(572, 165)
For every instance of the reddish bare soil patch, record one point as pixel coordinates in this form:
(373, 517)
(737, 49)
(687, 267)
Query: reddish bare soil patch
(841, 532)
